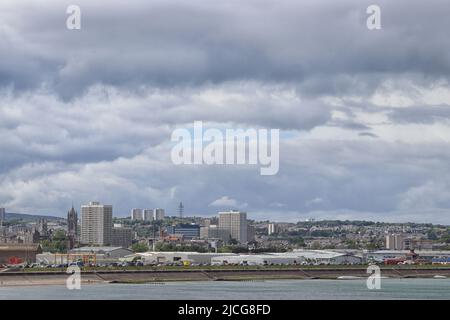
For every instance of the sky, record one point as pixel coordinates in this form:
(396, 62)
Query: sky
(87, 115)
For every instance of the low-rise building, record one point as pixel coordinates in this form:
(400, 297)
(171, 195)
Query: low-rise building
(175, 257)
(107, 252)
(19, 253)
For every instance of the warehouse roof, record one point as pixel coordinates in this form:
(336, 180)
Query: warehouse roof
(98, 249)
(6, 247)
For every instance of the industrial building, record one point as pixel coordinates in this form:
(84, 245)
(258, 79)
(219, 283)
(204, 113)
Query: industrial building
(328, 257)
(296, 257)
(426, 256)
(288, 258)
(174, 257)
(95, 255)
(19, 253)
(107, 252)
(257, 259)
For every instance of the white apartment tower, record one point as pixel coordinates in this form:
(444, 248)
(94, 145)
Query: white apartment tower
(158, 214)
(148, 215)
(271, 228)
(96, 224)
(395, 242)
(136, 214)
(236, 223)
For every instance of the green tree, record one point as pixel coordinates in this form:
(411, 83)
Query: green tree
(139, 247)
(58, 243)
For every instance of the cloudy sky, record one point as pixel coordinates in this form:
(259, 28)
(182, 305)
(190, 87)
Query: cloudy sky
(364, 114)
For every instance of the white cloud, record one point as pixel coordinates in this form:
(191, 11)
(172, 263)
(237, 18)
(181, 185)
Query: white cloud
(226, 201)
(365, 127)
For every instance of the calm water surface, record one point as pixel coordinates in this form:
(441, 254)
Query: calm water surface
(272, 290)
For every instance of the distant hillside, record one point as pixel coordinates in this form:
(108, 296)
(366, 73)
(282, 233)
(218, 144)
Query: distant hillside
(29, 217)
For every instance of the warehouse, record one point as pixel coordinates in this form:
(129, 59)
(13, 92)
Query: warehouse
(424, 255)
(19, 253)
(174, 257)
(327, 257)
(304, 257)
(257, 259)
(106, 252)
(95, 255)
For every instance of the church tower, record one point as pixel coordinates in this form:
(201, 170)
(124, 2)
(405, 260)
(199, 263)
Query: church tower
(72, 226)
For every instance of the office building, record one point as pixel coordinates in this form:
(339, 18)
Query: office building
(214, 232)
(136, 214)
(96, 224)
(122, 237)
(236, 223)
(189, 231)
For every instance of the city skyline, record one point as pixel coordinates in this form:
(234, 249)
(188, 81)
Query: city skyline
(364, 115)
(216, 214)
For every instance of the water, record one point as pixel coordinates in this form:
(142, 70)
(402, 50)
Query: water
(270, 290)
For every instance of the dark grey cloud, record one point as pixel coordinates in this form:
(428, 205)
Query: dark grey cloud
(367, 134)
(420, 114)
(324, 47)
(87, 115)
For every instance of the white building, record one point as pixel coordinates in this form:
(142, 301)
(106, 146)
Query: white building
(149, 214)
(158, 214)
(327, 257)
(160, 257)
(257, 259)
(96, 224)
(234, 222)
(296, 257)
(394, 242)
(136, 214)
(271, 228)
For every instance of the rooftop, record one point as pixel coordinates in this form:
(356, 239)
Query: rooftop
(97, 249)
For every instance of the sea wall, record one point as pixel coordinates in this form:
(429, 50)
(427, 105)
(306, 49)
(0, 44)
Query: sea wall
(142, 276)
